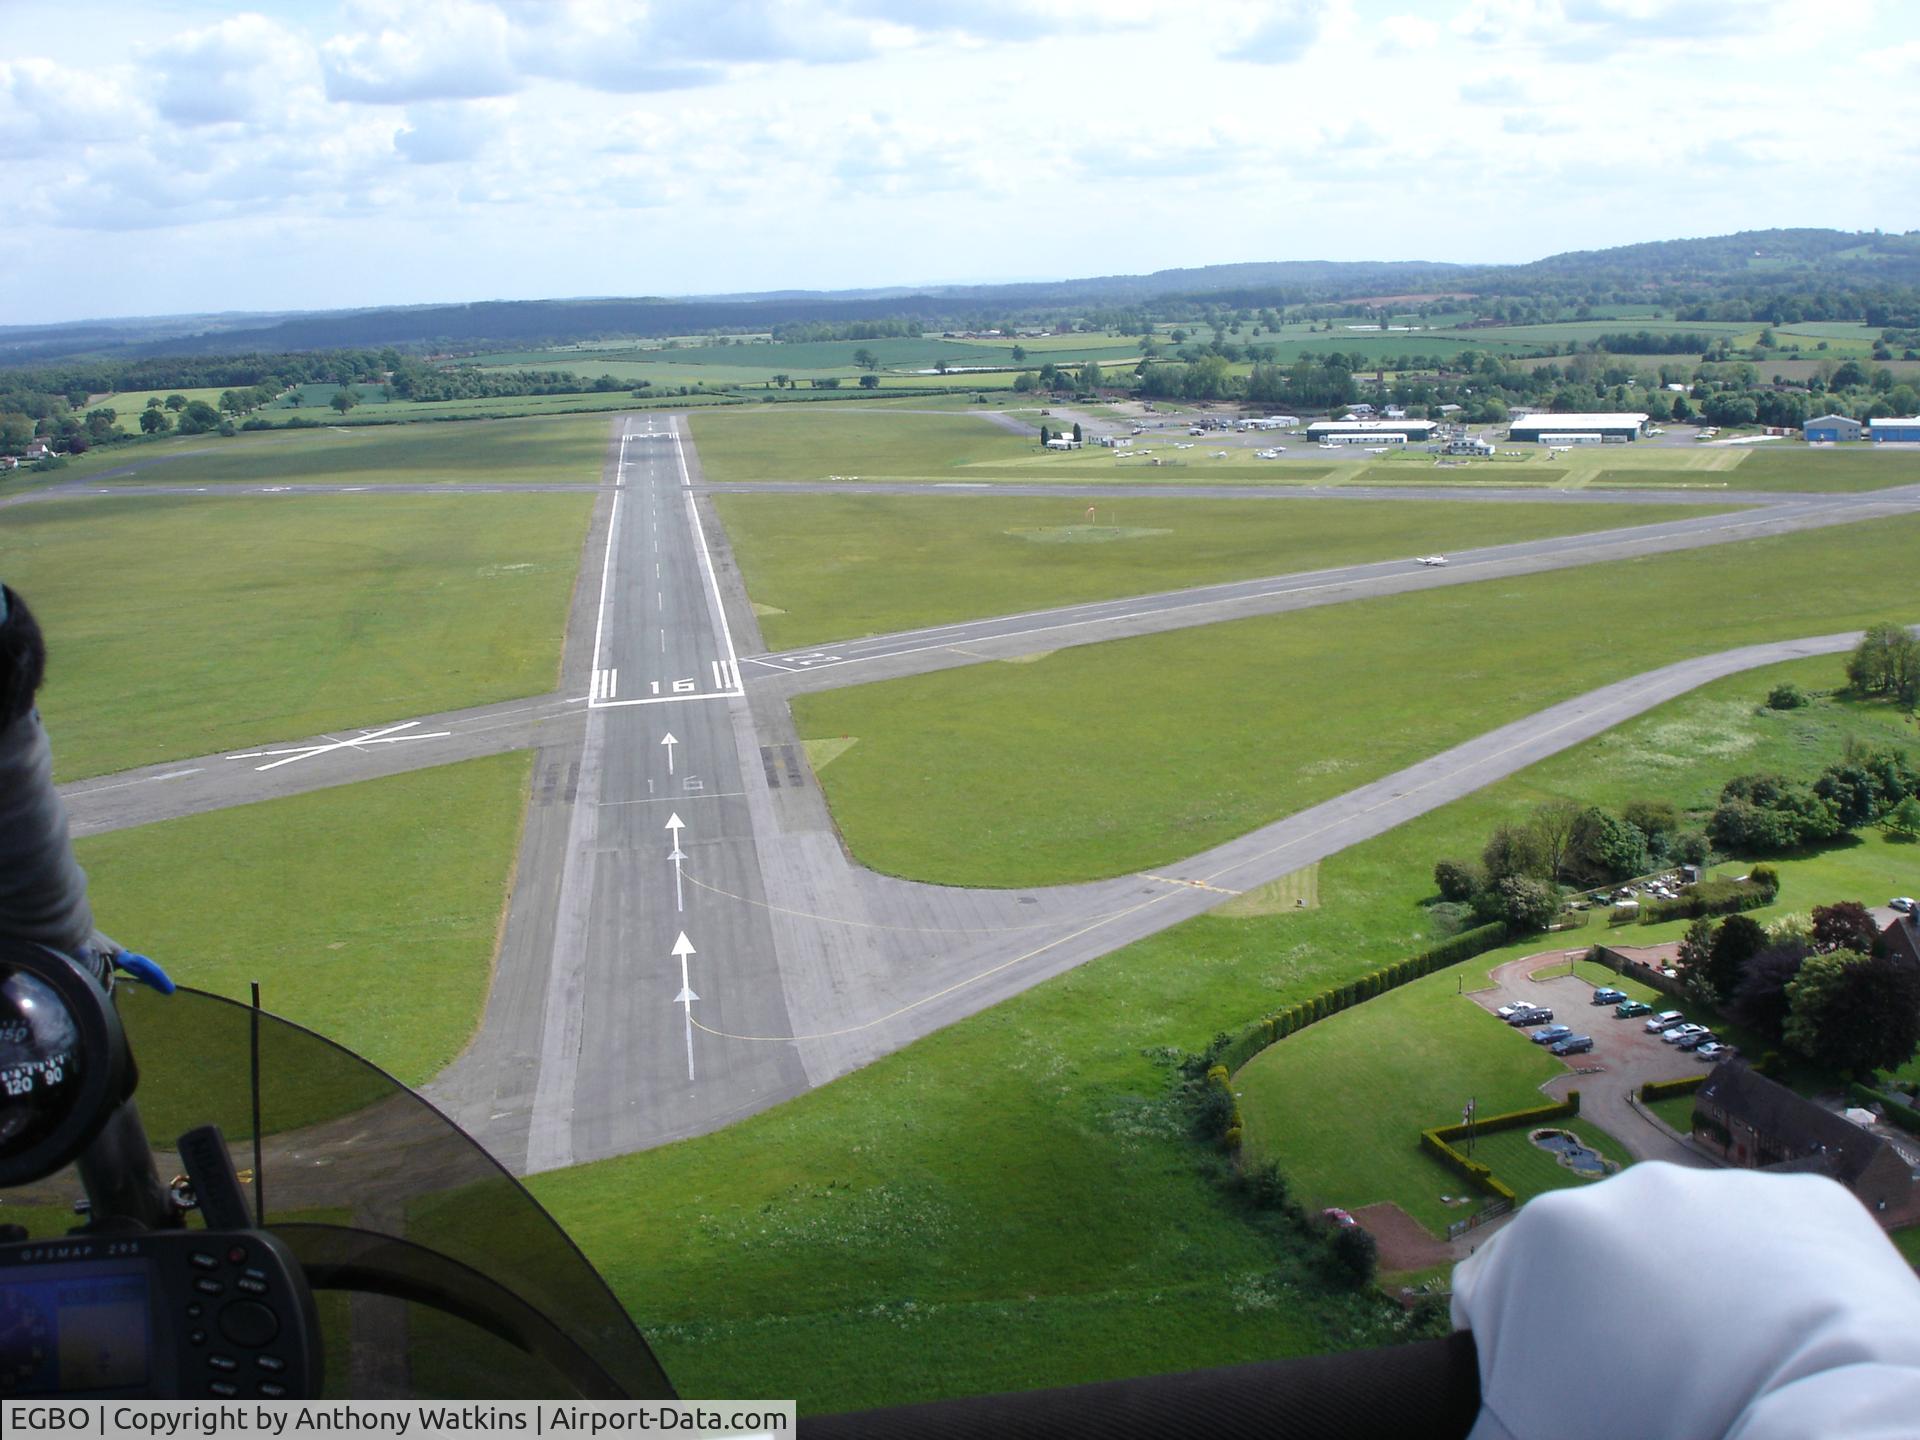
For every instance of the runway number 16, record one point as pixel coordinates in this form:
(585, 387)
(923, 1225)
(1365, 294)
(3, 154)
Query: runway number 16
(680, 687)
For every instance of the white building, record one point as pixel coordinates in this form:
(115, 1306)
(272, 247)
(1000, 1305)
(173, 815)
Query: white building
(1566, 429)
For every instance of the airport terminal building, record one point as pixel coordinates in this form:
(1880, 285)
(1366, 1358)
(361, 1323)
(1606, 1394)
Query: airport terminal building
(1371, 432)
(1612, 429)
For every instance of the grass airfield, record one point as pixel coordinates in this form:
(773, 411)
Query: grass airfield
(1105, 759)
(1013, 1201)
(829, 567)
(185, 625)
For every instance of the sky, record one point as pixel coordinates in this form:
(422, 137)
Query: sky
(168, 157)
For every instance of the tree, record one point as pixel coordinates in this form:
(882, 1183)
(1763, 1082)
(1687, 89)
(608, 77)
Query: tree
(198, 417)
(1605, 846)
(1077, 437)
(1846, 925)
(869, 382)
(1355, 1253)
(1526, 903)
(1885, 662)
(176, 403)
(344, 399)
(781, 382)
(1553, 824)
(1092, 377)
(866, 359)
(1512, 850)
(1854, 1013)
(235, 402)
(1651, 817)
(1903, 821)
(1019, 353)
(1735, 943)
(155, 421)
(1760, 1000)
(1456, 880)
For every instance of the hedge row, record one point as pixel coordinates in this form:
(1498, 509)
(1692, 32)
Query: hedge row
(1436, 1142)
(1905, 1116)
(1282, 1023)
(1661, 1089)
(1714, 897)
(1217, 1078)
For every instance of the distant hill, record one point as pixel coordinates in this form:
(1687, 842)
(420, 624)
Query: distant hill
(1759, 255)
(1741, 262)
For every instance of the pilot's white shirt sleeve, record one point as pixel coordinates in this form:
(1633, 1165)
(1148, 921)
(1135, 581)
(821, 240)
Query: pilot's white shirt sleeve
(1692, 1304)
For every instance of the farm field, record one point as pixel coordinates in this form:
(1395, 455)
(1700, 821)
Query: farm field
(234, 620)
(401, 885)
(1185, 762)
(816, 1249)
(569, 449)
(831, 567)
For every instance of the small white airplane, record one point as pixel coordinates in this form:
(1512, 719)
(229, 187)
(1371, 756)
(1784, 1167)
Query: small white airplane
(1433, 559)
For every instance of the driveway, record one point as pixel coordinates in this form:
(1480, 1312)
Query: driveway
(1624, 1056)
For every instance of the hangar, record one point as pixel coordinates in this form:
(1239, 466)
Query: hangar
(1616, 427)
(1830, 429)
(1364, 432)
(1892, 430)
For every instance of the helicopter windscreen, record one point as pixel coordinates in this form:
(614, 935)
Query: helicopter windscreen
(436, 1274)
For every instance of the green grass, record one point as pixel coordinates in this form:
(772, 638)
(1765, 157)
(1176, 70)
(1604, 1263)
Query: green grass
(1341, 1104)
(1839, 470)
(180, 626)
(1676, 1110)
(1531, 1170)
(571, 449)
(368, 912)
(813, 442)
(1001, 774)
(1010, 1202)
(1908, 1243)
(841, 566)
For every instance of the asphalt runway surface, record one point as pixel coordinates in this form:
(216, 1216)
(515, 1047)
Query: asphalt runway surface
(798, 964)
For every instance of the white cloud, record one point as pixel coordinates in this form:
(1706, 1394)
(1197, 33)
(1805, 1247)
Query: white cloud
(45, 107)
(437, 133)
(1496, 90)
(1283, 31)
(1407, 35)
(423, 50)
(245, 70)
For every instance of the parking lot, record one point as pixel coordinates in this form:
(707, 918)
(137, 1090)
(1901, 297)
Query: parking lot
(1624, 1057)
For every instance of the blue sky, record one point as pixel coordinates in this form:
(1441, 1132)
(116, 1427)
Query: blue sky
(172, 156)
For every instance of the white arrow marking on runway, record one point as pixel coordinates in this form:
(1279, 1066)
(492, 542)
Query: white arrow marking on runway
(675, 824)
(669, 742)
(683, 947)
(367, 737)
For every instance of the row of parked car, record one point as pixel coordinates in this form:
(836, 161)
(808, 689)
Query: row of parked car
(1670, 1025)
(1560, 1039)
